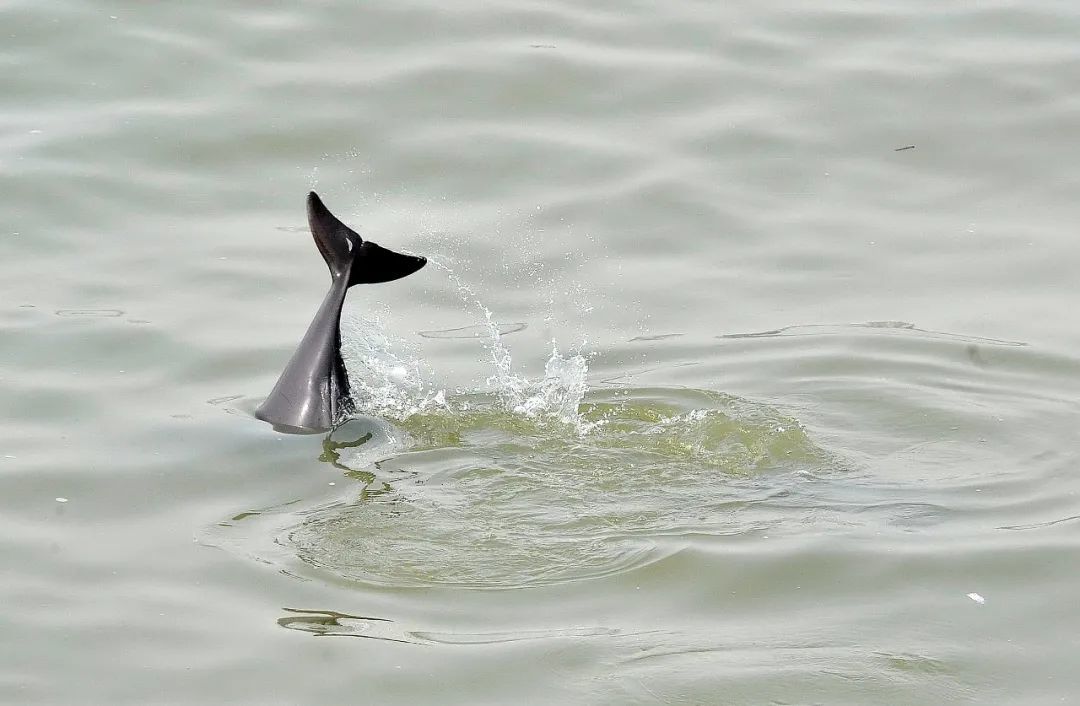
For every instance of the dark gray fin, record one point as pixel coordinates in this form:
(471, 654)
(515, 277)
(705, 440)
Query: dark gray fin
(334, 239)
(373, 264)
(346, 252)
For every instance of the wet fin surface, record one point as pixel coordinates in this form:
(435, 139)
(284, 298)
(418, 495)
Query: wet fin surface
(334, 239)
(374, 263)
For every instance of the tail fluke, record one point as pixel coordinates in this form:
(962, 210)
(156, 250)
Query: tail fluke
(374, 263)
(346, 252)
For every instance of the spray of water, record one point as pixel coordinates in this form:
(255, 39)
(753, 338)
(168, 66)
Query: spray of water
(389, 380)
(385, 380)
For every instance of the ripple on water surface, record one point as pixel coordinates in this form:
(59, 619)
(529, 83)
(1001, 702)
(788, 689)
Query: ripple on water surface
(486, 498)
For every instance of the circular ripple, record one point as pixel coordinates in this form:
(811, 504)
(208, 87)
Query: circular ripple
(485, 498)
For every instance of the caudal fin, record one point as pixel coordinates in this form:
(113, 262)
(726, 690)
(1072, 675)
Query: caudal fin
(374, 264)
(346, 252)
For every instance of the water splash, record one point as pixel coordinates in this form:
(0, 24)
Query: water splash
(558, 395)
(386, 379)
(389, 379)
(555, 396)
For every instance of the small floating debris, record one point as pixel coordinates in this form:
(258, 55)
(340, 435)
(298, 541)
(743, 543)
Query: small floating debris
(901, 149)
(977, 598)
(61, 500)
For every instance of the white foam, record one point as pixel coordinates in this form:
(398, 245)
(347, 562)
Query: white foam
(389, 379)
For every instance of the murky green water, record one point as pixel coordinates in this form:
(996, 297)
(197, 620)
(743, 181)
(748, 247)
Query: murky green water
(809, 432)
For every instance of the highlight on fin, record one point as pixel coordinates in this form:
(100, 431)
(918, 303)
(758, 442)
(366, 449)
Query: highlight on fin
(335, 240)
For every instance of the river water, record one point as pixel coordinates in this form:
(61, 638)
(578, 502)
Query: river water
(745, 371)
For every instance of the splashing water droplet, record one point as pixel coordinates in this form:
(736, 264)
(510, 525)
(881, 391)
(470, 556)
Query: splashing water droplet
(389, 380)
(385, 380)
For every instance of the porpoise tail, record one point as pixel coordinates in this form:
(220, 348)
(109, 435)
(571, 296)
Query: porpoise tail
(313, 392)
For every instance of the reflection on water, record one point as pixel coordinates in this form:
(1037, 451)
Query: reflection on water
(332, 450)
(321, 623)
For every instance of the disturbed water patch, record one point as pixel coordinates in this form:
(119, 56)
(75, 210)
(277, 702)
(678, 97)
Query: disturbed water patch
(474, 495)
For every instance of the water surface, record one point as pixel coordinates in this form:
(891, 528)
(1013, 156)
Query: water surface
(745, 371)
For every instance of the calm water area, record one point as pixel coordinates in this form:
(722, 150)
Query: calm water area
(745, 369)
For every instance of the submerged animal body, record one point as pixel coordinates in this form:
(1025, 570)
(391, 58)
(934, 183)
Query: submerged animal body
(313, 391)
